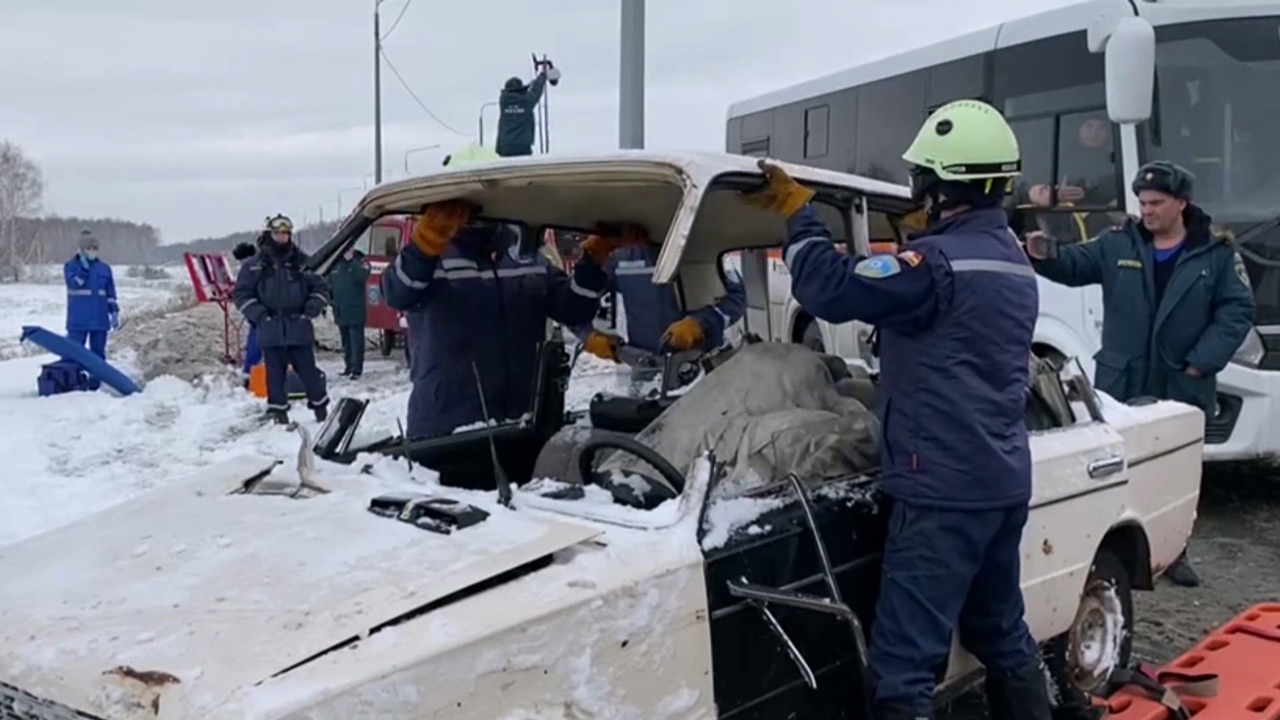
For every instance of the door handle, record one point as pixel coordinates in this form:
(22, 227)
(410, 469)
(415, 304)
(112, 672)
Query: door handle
(1104, 468)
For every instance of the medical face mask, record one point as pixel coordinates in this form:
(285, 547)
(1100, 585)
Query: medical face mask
(91, 254)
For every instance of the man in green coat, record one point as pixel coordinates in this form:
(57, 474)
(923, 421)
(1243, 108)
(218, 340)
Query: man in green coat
(347, 285)
(1177, 301)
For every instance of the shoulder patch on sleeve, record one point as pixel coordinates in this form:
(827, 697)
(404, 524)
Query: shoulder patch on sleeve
(878, 266)
(911, 257)
(1241, 271)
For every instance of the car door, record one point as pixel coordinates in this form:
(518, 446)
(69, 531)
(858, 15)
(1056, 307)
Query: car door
(1080, 483)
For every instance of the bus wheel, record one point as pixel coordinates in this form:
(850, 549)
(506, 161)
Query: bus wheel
(386, 343)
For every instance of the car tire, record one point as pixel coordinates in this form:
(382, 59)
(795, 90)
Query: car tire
(1101, 635)
(386, 343)
(812, 337)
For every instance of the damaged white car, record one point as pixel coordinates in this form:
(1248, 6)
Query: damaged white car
(711, 555)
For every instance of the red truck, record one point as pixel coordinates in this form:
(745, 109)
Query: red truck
(380, 244)
(384, 239)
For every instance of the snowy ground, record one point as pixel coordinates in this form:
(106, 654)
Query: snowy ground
(72, 455)
(46, 305)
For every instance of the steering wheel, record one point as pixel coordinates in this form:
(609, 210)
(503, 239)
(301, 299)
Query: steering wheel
(624, 494)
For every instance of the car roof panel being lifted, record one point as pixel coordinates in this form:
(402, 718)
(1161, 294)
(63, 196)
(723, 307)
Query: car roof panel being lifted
(661, 191)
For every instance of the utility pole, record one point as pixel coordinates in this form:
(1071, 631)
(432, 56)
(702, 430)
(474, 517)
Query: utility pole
(377, 93)
(631, 80)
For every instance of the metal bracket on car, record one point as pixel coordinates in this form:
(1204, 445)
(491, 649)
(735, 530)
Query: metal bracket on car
(761, 596)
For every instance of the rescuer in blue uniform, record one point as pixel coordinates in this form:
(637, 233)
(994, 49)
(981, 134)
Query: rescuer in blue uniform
(92, 309)
(955, 311)
(655, 321)
(280, 296)
(476, 305)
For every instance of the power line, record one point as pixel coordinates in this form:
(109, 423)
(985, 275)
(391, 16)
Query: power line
(415, 97)
(407, 3)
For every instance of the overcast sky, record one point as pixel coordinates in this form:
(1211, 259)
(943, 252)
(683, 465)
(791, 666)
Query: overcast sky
(203, 117)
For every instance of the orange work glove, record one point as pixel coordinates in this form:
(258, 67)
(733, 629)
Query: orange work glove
(783, 194)
(602, 345)
(438, 224)
(599, 248)
(685, 334)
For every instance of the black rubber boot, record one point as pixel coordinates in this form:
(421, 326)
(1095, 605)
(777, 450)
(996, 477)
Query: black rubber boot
(1182, 574)
(322, 413)
(279, 417)
(1021, 695)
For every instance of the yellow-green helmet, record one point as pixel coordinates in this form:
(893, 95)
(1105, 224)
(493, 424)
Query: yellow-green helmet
(966, 140)
(470, 155)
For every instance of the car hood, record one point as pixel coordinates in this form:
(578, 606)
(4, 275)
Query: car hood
(165, 606)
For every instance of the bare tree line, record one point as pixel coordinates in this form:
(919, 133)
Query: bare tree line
(29, 238)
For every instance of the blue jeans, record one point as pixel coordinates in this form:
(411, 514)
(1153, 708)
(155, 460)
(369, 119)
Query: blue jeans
(947, 571)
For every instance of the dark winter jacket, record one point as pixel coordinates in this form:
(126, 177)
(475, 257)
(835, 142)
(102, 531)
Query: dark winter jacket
(347, 283)
(277, 293)
(955, 310)
(516, 122)
(482, 303)
(651, 308)
(91, 295)
(1202, 318)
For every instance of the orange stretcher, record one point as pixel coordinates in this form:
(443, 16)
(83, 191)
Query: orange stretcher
(1232, 674)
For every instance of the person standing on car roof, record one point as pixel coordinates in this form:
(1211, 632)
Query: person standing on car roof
(655, 321)
(92, 308)
(347, 280)
(1177, 303)
(280, 296)
(516, 105)
(955, 311)
(476, 304)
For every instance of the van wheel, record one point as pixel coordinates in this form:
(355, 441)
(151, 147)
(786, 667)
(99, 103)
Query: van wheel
(1101, 636)
(812, 337)
(386, 343)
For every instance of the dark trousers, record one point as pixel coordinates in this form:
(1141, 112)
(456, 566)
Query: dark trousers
(947, 571)
(97, 345)
(303, 360)
(352, 348)
(97, 340)
(517, 151)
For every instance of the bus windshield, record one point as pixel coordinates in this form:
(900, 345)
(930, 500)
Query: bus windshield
(1219, 100)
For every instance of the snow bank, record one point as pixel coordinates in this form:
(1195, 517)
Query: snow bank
(46, 306)
(189, 344)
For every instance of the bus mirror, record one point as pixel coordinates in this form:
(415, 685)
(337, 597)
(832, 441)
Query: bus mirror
(1131, 71)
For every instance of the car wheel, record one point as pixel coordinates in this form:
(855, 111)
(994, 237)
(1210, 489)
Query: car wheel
(1101, 636)
(386, 343)
(812, 337)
